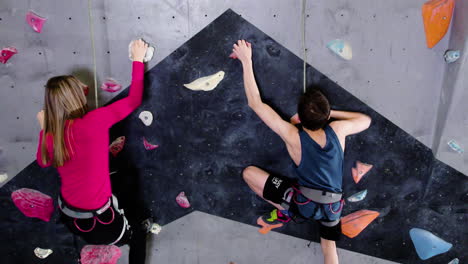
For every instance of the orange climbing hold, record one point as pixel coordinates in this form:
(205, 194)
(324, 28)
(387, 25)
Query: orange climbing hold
(353, 224)
(360, 170)
(437, 15)
(266, 227)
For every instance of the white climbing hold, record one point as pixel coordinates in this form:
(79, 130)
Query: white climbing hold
(148, 55)
(3, 177)
(155, 228)
(206, 83)
(454, 261)
(146, 117)
(341, 48)
(42, 253)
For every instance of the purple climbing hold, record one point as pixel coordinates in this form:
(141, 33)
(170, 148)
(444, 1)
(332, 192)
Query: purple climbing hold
(427, 244)
(35, 21)
(7, 53)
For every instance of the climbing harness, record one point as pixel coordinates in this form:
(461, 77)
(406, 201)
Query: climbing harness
(112, 204)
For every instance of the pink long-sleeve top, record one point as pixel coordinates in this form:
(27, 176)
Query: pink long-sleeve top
(85, 177)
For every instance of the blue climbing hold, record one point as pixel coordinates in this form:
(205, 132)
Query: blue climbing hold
(454, 146)
(454, 261)
(357, 196)
(341, 48)
(427, 244)
(451, 55)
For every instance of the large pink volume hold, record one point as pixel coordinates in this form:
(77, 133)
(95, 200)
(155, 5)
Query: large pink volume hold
(33, 203)
(100, 254)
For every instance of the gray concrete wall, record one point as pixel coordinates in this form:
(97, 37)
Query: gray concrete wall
(392, 70)
(452, 118)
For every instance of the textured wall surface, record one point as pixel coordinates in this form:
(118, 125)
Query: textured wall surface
(452, 119)
(207, 138)
(392, 70)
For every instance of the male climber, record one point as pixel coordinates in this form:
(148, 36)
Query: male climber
(317, 150)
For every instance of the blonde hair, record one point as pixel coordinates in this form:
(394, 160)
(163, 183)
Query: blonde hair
(64, 100)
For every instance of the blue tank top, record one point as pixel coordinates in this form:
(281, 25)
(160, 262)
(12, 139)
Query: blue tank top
(321, 168)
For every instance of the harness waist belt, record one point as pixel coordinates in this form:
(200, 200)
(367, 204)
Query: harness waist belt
(71, 212)
(319, 196)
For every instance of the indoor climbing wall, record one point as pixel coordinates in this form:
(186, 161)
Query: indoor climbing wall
(406, 87)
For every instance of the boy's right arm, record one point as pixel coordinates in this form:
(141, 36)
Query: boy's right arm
(348, 123)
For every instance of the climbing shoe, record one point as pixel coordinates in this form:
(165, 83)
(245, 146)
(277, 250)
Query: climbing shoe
(272, 220)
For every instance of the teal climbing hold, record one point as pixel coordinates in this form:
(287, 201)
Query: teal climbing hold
(451, 55)
(427, 244)
(454, 261)
(341, 48)
(357, 196)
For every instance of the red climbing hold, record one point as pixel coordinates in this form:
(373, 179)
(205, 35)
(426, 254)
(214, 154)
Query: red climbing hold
(353, 224)
(35, 21)
(437, 15)
(111, 85)
(117, 145)
(33, 203)
(149, 146)
(100, 254)
(360, 170)
(7, 53)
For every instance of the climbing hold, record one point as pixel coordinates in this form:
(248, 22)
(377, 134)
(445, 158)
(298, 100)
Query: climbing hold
(149, 146)
(86, 90)
(437, 15)
(295, 119)
(100, 254)
(3, 177)
(111, 85)
(341, 48)
(427, 244)
(355, 223)
(155, 228)
(148, 55)
(182, 200)
(33, 203)
(453, 145)
(358, 196)
(454, 261)
(35, 21)
(360, 170)
(206, 83)
(7, 53)
(451, 55)
(117, 145)
(146, 117)
(42, 253)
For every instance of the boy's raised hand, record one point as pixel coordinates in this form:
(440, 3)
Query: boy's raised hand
(242, 50)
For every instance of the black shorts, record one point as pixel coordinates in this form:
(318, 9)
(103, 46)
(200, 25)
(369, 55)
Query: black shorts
(278, 190)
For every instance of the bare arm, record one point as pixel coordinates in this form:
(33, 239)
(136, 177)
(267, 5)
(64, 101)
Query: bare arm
(284, 129)
(348, 123)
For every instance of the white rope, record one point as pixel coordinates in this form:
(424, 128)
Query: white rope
(304, 50)
(91, 31)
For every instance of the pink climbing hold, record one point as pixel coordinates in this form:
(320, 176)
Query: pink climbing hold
(117, 145)
(182, 200)
(100, 254)
(149, 146)
(7, 53)
(35, 21)
(111, 85)
(33, 203)
(360, 170)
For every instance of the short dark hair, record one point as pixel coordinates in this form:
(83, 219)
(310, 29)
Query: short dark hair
(313, 109)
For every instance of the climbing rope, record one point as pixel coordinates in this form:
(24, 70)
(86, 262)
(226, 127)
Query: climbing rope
(304, 50)
(91, 31)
